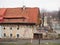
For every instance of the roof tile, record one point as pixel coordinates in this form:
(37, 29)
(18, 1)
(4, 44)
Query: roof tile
(31, 14)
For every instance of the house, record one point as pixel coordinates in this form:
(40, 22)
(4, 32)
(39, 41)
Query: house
(18, 22)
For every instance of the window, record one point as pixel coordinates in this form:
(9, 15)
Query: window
(18, 28)
(31, 26)
(4, 28)
(4, 34)
(10, 28)
(17, 35)
(10, 35)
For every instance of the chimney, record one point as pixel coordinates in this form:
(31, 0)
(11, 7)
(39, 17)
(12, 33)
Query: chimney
(24, 7)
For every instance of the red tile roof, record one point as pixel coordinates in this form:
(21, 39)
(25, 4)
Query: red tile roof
(28, 15)
(2, 11)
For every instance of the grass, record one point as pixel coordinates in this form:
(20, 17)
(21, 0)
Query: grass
(51, 43)
(30, 44)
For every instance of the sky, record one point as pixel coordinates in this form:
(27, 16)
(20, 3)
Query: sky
(49, 5)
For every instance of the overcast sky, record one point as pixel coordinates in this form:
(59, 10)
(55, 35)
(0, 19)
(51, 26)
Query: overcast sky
(49, 5)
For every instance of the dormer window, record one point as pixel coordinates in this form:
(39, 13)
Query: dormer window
(19, 19)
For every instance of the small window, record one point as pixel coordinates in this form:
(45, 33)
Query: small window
(10, 28)
(4, 34)
(10, 35)
(18, 28)
(4, 28)
(17, 35)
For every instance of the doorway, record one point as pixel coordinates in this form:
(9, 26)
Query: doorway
(36, 35)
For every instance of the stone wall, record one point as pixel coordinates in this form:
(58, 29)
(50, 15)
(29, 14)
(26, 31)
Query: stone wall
(23, 31)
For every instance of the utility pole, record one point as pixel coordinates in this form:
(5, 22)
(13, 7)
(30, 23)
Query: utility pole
(41, 27)
(39, 39)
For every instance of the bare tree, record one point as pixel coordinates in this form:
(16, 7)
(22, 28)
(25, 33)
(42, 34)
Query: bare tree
(58, 15)
(49, 23)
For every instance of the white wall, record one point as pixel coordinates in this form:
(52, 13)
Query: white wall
(24, 31)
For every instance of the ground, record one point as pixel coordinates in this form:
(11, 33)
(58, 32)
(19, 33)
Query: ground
(30, 44)
(34, 42)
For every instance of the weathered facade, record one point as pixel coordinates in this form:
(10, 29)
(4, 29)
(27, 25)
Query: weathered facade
(18, 22)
